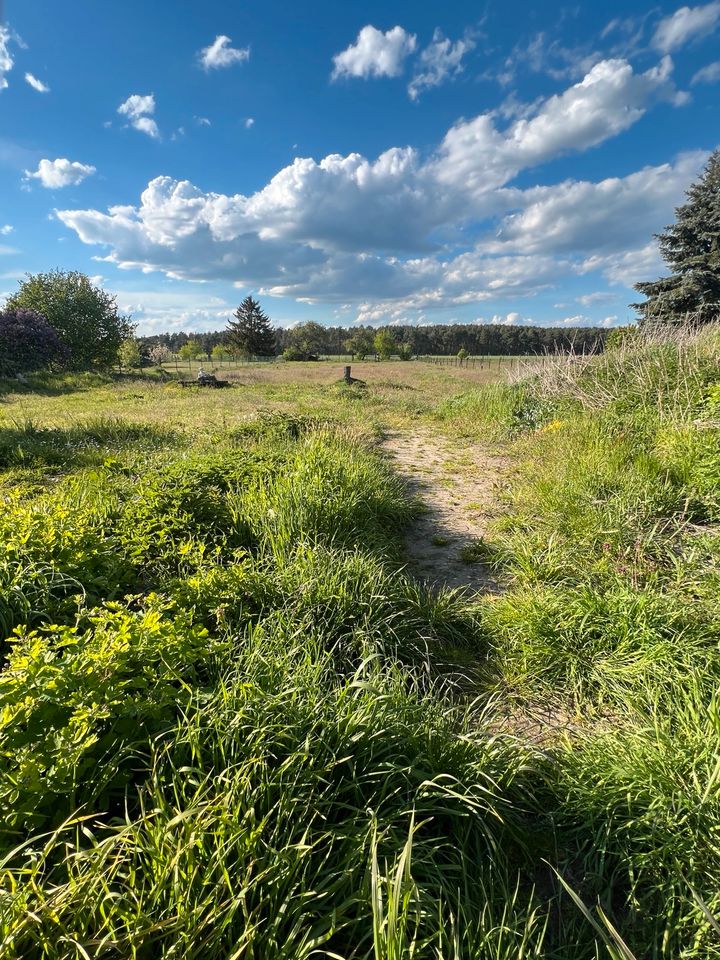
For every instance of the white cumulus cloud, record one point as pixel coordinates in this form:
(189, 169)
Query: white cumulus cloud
(600, 296)
(609, 99)
(686, 24)
(6, 229)
(375, 54)
(581, 215)
(36, 84)
(179, 309)
(417, 232)
(137, 105)
(220, 54)
(54, 174)
(147, 125)
(515, 319)
(438, 61)
(627, 267)
(139, 108)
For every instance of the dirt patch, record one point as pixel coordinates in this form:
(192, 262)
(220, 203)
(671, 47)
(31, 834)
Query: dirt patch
(458, 483)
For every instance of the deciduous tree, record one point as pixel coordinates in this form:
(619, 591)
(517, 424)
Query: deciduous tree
(385, 344)
(129, 354)
(159, 354)
(360, 344)
(84, 316)
(307, 341)
(191, 350)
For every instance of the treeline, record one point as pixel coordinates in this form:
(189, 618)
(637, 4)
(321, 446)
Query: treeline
(435, 340)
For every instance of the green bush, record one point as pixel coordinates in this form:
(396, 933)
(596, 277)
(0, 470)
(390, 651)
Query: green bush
(349, 602)
(330, 492)
(28, 445)
(275, 817)
(184, 511)
(80, 705)
(58, 551)
(640, 806)
(498, 410)
(617, 645)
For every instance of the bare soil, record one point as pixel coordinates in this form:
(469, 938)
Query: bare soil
(458, 483)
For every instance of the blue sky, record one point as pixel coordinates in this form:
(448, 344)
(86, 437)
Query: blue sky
(376, 162)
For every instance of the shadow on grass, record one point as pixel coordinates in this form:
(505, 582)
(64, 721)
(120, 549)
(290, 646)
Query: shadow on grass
(81, 445)
(56, 384)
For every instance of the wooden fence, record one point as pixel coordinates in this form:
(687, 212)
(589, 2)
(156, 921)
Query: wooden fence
(183, 365)
(483, 363)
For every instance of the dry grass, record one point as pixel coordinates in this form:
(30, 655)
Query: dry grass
(396, 394)
(650, 356)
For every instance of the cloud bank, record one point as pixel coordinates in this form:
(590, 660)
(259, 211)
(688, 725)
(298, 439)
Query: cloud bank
(406, 232)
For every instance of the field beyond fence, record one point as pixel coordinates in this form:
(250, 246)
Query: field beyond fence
(191, 366)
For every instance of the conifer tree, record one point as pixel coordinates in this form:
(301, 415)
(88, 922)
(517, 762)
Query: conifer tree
(250, 334)
(691, 248)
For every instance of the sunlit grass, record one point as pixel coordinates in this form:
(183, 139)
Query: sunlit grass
(231, 726)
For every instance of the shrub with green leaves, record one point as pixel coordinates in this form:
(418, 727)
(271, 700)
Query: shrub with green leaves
(349, 602)
(182, 512)
(497, 411)
(274, 817)
(58, 552)
(79, 706)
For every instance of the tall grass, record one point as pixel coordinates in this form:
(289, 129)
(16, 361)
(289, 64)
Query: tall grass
(610, 543)
(230, 727)
(269, 820)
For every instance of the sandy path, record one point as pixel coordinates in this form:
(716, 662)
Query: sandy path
(458, 482)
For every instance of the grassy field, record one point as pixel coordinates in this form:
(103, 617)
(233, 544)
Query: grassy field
(231, 726)
(396, 393)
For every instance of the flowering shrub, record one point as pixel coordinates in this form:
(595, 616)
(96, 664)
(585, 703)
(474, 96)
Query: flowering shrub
(28, 342)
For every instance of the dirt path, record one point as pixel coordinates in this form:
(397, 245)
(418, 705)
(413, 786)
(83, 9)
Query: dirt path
(458, 483)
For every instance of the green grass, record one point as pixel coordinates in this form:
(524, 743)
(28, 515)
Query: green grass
(610, 542)
(230, 726)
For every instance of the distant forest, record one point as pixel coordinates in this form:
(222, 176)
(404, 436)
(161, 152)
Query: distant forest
(438, 339)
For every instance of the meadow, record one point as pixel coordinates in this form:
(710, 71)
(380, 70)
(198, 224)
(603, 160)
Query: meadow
(233, 725)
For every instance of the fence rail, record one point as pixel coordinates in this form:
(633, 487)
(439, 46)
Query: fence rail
(184, 365)
(485, 362)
